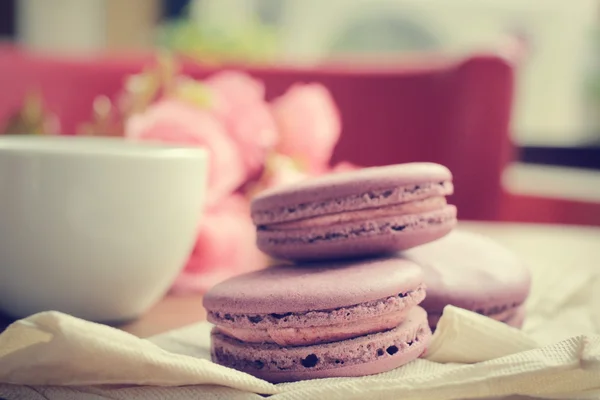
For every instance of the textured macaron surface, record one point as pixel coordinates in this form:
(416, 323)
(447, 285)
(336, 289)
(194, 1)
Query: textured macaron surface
(473, 272)
(362, 355)
(372, 211)
(351, 191)
(303, 288)
(318, 303)
(371, 236)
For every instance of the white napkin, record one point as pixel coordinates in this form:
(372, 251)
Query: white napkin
(556, 355)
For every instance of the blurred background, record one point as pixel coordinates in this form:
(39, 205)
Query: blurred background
(551, 105)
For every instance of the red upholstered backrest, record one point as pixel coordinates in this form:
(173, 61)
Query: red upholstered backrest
(456, 113)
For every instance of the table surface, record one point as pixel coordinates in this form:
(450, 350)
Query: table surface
(537, 244)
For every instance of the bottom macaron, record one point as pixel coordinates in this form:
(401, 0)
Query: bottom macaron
(364, 355)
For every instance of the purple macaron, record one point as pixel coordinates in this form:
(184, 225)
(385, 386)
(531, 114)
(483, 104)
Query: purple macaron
(473, 272)
(294, 322)
(371, 211)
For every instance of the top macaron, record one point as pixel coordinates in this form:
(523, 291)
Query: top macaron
(371, 211)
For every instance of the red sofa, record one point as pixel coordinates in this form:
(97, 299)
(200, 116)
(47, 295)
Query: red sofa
(454, 112)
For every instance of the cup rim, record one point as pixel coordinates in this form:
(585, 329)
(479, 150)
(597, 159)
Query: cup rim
(75, 146)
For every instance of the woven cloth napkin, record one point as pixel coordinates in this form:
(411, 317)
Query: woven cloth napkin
(556, 356)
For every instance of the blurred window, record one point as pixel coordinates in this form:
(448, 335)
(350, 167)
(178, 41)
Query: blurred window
(173, 9)
(7, 19)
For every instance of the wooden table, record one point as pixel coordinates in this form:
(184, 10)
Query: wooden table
(542, 245)
(171, 313)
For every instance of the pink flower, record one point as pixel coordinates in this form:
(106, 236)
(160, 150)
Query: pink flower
(179, 122)
(237, 88)
(344, 166)
(309, 125)
(279, 170)
(284, 171)
(238, 100)
(224, 248)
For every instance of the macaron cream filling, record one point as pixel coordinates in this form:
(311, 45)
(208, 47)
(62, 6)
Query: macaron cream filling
(402, 343)
(319, 326)
(392, 210)
(317, 334)
(372, 227)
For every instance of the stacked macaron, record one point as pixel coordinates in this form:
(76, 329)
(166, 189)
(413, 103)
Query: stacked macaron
(295, 322)
(347, 304)
(367, 212)
(371, 260)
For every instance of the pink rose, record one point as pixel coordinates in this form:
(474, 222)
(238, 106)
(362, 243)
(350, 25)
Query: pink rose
(309, 125)
(237, 88)
(345, 166)
(283, 170)
(515, 47)
(224, 248)
(175, 121)
(238, 100)
(279, 170)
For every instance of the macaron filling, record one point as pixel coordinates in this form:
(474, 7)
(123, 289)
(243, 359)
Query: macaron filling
(355, 202)
(367, 228)
(313, 318)
(392, 210)
(317, 334)
(413, 333)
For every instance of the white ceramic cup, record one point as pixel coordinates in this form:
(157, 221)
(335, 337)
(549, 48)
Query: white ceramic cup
(97, 228)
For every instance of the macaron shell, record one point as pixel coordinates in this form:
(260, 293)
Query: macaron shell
(358, 238)
(360, 356)
(350, 315)
(318, 286)
(394, 210)
(471, 271)
(309, 335)
(368, 178)
(357, 370)
(514, 317)
(518, 318)
(346, 192)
